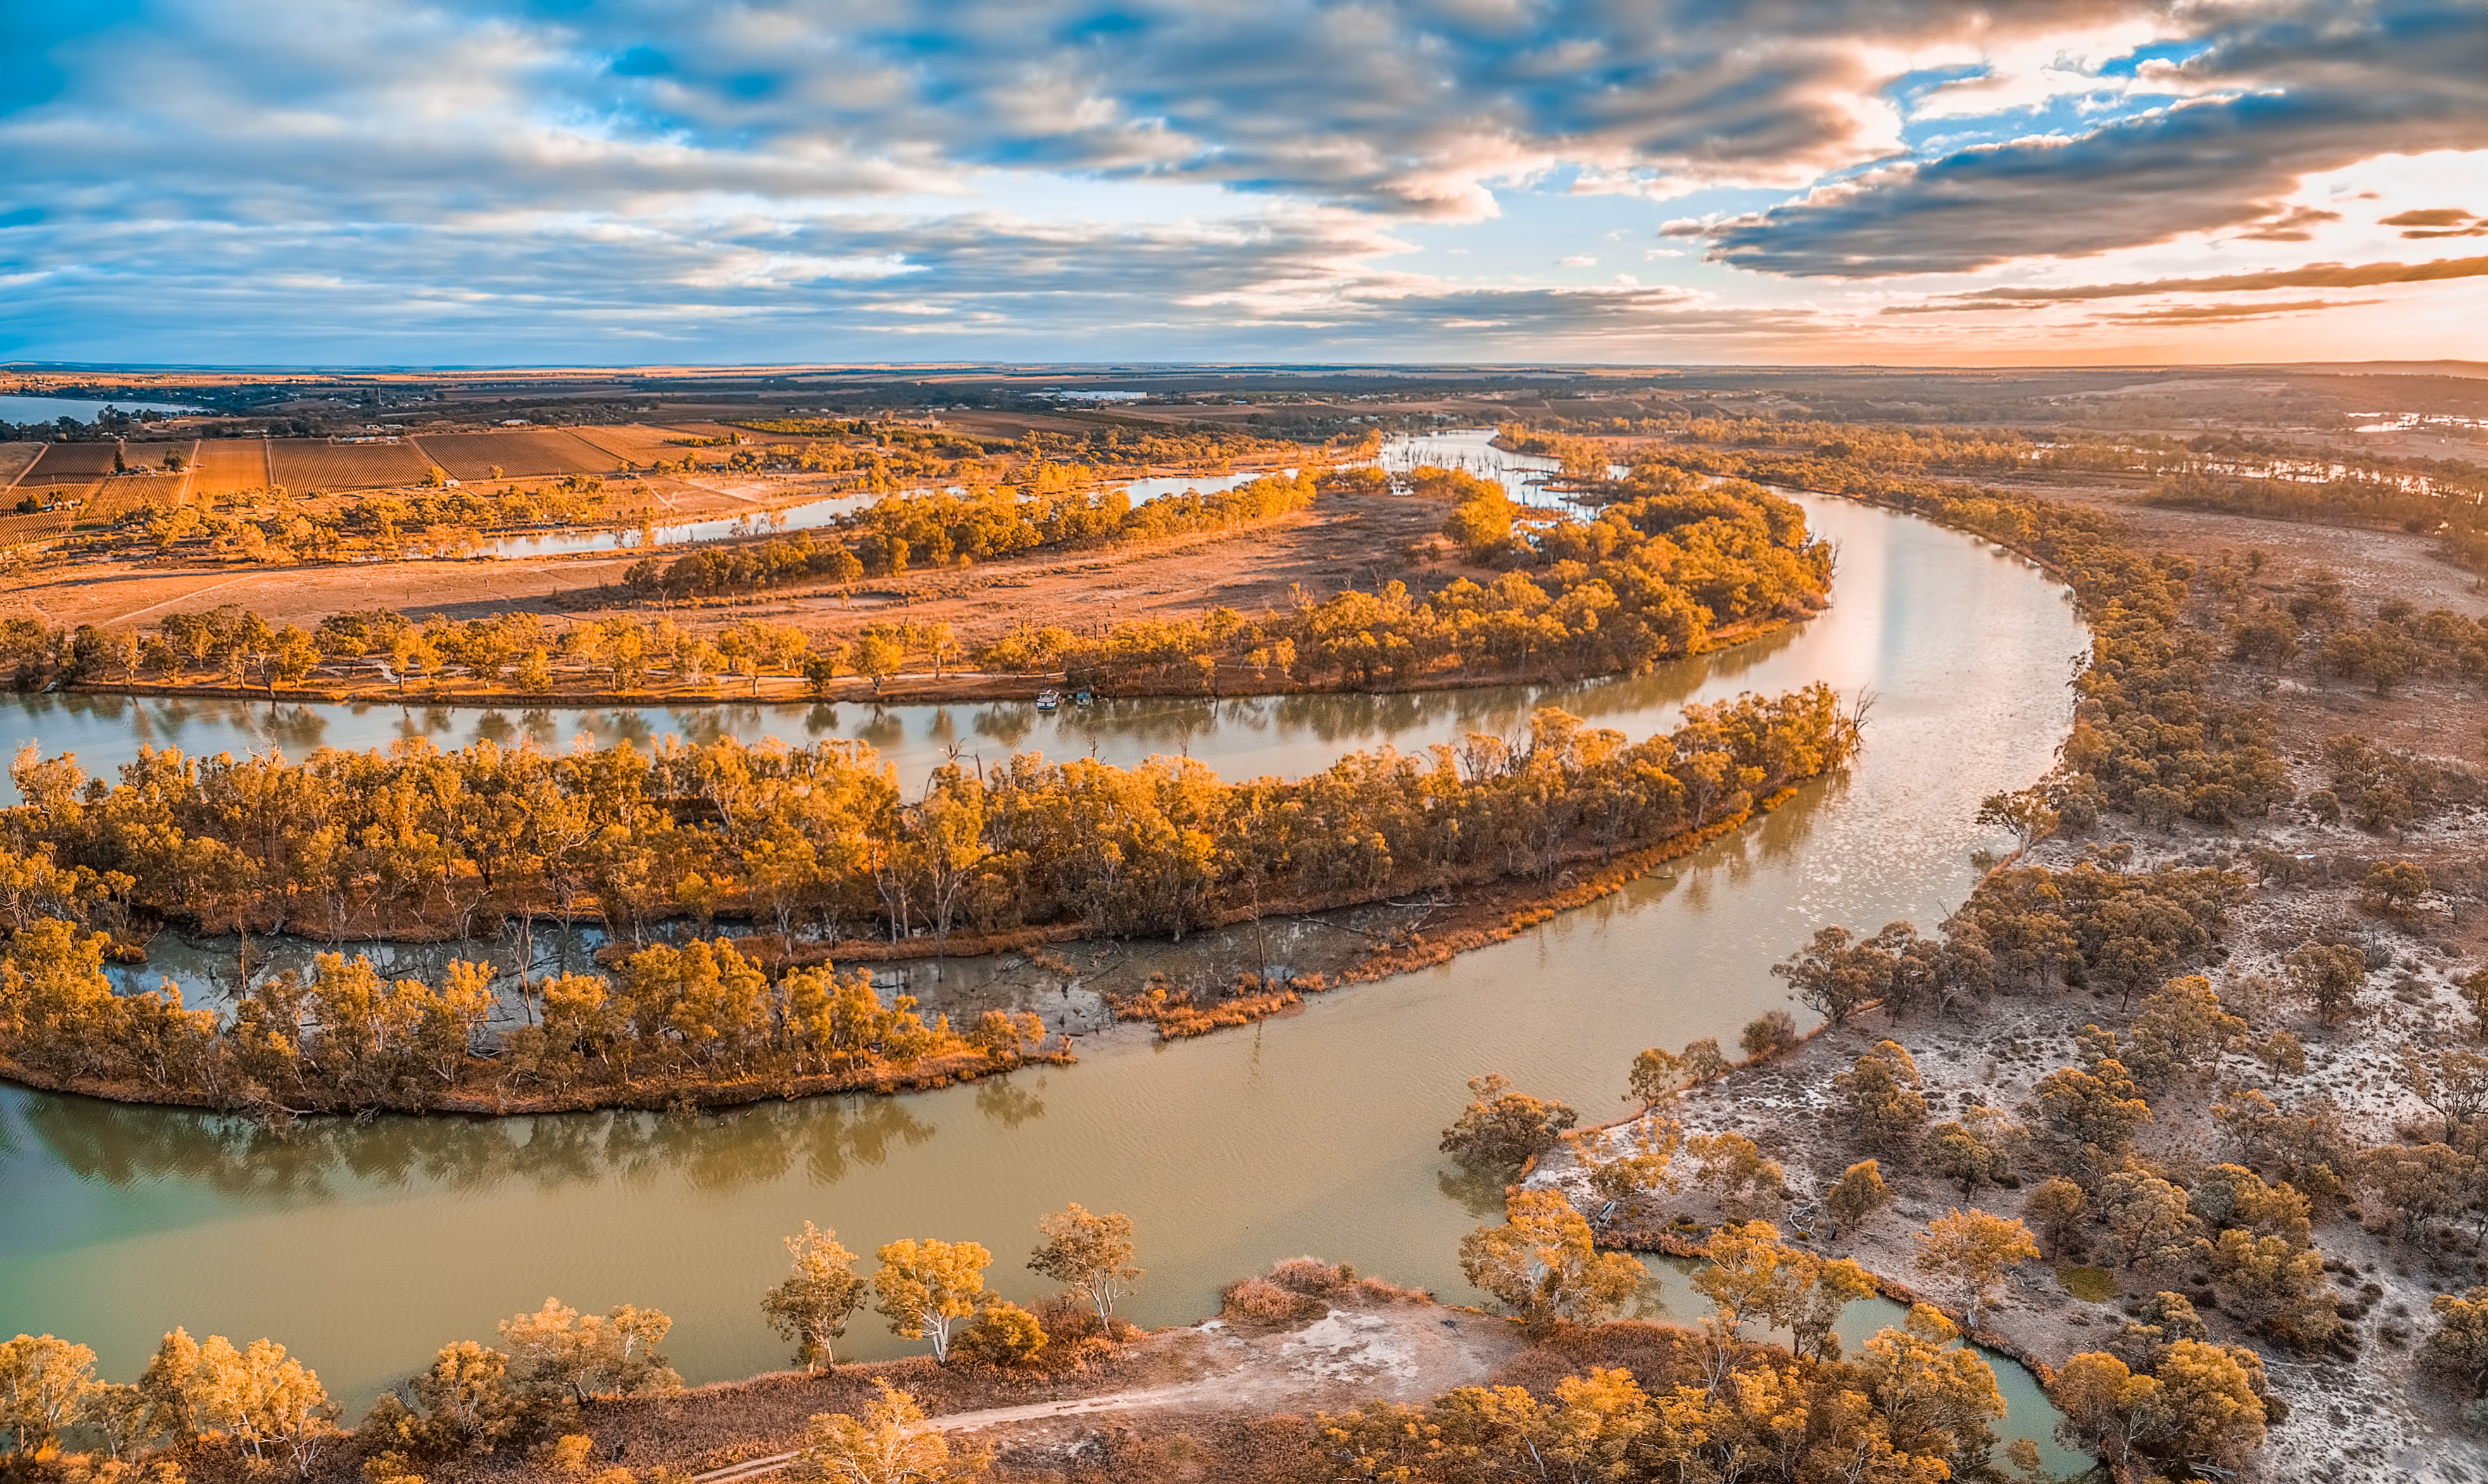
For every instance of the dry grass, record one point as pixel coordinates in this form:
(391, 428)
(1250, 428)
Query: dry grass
(228, 466)
(303, 464)
(519, 453)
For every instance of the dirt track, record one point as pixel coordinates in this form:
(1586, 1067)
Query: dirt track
(1403, 1353)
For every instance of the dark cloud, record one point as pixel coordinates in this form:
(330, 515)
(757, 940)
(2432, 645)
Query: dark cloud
(2293, 90)
(1401, 105)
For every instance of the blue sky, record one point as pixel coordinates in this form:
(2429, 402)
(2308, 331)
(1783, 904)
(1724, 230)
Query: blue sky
(350, 181)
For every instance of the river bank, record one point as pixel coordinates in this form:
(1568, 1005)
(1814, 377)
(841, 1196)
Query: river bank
(1314, 1131)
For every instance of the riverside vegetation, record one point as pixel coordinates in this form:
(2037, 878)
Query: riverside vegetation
(1658, 571)
(1630, 1402)
(2218, 1228)
(822, 839)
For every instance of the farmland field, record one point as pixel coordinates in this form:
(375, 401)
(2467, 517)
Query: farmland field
(228, 466)
(152, 455)
(519, 453)
(15, 459)
(127, 492)
(43, 524)
(302, 465)
(638, 442)
(71, 463)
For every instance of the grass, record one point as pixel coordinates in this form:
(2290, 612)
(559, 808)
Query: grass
(2091, 1285)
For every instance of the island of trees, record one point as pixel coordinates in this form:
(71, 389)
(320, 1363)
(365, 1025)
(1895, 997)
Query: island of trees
(821, 840)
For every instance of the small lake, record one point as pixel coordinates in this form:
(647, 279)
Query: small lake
(18, 409)
(364, 1246)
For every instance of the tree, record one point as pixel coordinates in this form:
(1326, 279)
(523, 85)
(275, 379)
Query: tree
(1543, 1265)
(2058, 1205)
(466, 1400)
(811, 1308)
(877, 656)
(1481, 525)
(2396, 886)
(1502, 1128)
(2148, 1217)
(1657, 1075)
(2279, 1286)
(2025, 815)
(1089, 1254)
(2458, 1344)
(2100, 1109)
(1934, 1396)
(1836, 976)
(2207, 1412)
(2181, 1031)
(268, 1402)
(1880, 1094)
(1734, 1167)
(1857, 1194)
(1749, 1275)
(1978, 1248)
(1977, 1146)
(43, 1382)
(925, 1287)
(557, 1350)
(891, 1444)
(2330, 975)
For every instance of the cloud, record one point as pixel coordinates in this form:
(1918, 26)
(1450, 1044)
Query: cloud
(2317, 276)
(2221, 314)
(2286, 91)
(2431, 217)
(390, 179)
(2291, 226)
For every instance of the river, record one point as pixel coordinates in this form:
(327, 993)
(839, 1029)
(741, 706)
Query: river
(363, 1248)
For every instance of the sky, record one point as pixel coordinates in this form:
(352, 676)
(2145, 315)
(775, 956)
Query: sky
(1672, 182)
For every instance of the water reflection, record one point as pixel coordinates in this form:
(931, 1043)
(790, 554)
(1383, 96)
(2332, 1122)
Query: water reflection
(1241, 737)
(325, 1159)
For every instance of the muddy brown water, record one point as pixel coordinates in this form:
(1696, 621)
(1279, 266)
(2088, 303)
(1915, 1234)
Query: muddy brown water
(364, 1246)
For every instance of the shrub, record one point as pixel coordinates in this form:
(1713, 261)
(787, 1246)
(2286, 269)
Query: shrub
(1770, 1034)
(1261, 1301)
(1001, 1337)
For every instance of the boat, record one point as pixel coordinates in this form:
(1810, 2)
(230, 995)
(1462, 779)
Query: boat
(1047, 700)
(1082, 697)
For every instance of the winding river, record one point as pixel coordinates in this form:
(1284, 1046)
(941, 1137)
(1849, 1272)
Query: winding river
(365, 1247)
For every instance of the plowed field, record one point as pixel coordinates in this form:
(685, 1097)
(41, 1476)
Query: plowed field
(228, 466)
(520, 453)
(15, 459)
(305, 464)
(71, 463)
